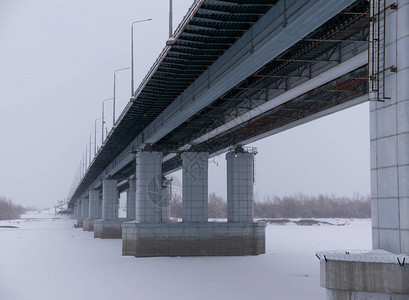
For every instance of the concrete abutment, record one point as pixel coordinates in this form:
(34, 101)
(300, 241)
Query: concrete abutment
(379, 275)
(362, 275)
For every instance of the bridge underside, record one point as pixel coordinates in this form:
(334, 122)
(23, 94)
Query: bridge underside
(295, 86)
(192, 106)
(339, 39)
(213, 89)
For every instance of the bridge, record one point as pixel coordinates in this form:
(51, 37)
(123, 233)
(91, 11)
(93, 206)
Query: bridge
(236, 71)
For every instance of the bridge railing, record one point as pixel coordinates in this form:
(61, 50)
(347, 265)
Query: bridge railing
(186, 19)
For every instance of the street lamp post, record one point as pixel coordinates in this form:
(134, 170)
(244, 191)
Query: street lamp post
(83, 165)
(95, 136)
(90, 144)
(132, 64)
(170, 19)
(113, 106)
(103, 118)
(80, 172)
(86, 156)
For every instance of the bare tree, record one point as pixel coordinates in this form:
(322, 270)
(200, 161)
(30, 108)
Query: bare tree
(217, 207)
(9, 211)
(175, 206)
(321, 206)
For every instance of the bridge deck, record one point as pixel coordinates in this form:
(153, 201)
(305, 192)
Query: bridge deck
(207, 33)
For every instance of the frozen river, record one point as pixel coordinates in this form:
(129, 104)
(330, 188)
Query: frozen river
(47, 258)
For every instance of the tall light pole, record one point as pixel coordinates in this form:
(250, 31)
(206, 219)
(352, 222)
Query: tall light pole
(83, 166)
(132, 64)
(170, 19)
(90, 143)
(95, 135)
(113, 106)
(86, 156)
(103, 118)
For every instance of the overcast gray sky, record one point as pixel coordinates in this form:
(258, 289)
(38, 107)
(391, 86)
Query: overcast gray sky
(56, 66)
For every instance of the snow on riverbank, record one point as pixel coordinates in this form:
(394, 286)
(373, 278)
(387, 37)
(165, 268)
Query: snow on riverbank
(46, 258)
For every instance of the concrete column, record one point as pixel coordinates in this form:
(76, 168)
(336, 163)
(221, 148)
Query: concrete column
(195, 186)
(240, 175)
(389, 133)
(80, 213)
(93, 204)
(109, 199)
(149, 187)
(79, 209)
(131, 201)
(166, 198)
(85, 208)
(99, 207)
(75, 211)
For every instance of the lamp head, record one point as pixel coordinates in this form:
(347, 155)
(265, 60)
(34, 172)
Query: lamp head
(171, 41)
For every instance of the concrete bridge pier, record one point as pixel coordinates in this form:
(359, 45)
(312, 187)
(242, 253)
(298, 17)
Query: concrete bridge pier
(79, 213)
(85, 210)
(382, 273)
(109, 227)
(195, 236)
(139, 236)
(75, 212)
(94, 203)
(166, 198)
(149, 187)
(131, 200)
(240, 181)
(250, 238)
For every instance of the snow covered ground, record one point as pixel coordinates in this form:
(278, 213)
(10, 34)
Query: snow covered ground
(46, 258)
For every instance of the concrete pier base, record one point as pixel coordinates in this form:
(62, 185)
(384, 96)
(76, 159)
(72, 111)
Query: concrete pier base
(192, 239)
(108, 229)
(364, 275)
(88, 225)
(79, 223)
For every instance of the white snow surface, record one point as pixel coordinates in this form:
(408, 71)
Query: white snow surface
(47, 258)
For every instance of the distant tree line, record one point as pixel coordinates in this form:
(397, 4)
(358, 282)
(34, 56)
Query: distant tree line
(321, 206)
(10, 211)
(297, 206)
(217, 206)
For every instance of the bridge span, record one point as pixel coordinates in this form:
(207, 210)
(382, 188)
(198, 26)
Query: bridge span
(236, 71)
(233, 72)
